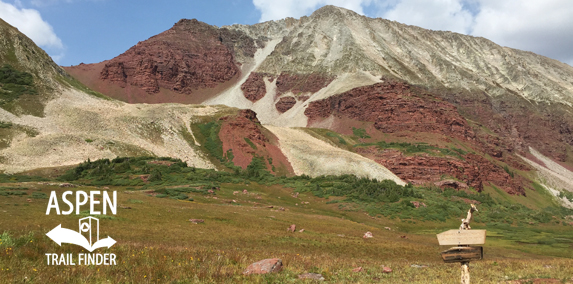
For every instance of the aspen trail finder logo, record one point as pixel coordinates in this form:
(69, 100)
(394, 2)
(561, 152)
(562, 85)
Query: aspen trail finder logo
(61, 235)
(88, 234)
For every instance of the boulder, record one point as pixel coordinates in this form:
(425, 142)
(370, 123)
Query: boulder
(270, 265)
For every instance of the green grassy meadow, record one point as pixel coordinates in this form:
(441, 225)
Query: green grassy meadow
(156, 243)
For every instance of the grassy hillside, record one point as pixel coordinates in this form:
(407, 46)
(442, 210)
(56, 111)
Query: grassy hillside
(157, 243)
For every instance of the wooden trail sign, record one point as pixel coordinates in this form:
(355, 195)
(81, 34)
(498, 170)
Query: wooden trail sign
(462, 254)
(461, 237)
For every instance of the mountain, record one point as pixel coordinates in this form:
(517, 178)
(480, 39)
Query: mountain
(388, 82)
(48, 119)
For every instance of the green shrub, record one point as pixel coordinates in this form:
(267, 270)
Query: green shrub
(155, 175)
(257, 167)
(39, 195)
(6, 240)
(5, 124)
(212, 143)
(14, 83)
(340, 139)
(360, 132)
(12, 192)
(179, 196)
(250, 143)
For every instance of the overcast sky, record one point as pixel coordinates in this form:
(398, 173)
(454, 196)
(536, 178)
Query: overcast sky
(75, 31)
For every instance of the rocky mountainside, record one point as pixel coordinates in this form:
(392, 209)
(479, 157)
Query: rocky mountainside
(276, 68)
(70, 123)
(341, 71)
(391, 100)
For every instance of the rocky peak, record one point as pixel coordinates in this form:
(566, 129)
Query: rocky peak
(331, 11)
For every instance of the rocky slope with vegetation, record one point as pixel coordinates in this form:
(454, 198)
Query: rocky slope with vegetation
(70, 123)
(471, 108)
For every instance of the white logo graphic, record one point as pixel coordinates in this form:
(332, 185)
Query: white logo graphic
(62, 235)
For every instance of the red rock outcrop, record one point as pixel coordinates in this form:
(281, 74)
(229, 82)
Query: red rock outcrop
(237, 131)
(188, 63)
(254, 87)
(474, 170)
(302, 83)
(189, 56)
(285, 103)
(393, 107)
(517, 122)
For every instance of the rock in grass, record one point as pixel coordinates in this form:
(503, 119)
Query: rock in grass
(368, 235)
(386, 269)
(270, 265)
(357, 269)
(312, 276)
(196, 221)
(292, 228)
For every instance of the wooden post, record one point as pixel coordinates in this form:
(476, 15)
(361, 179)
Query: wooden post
(466, 222)
(465, 272)
(462, 238)
(465, 279)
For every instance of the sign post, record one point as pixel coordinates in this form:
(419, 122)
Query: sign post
(462, 239)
